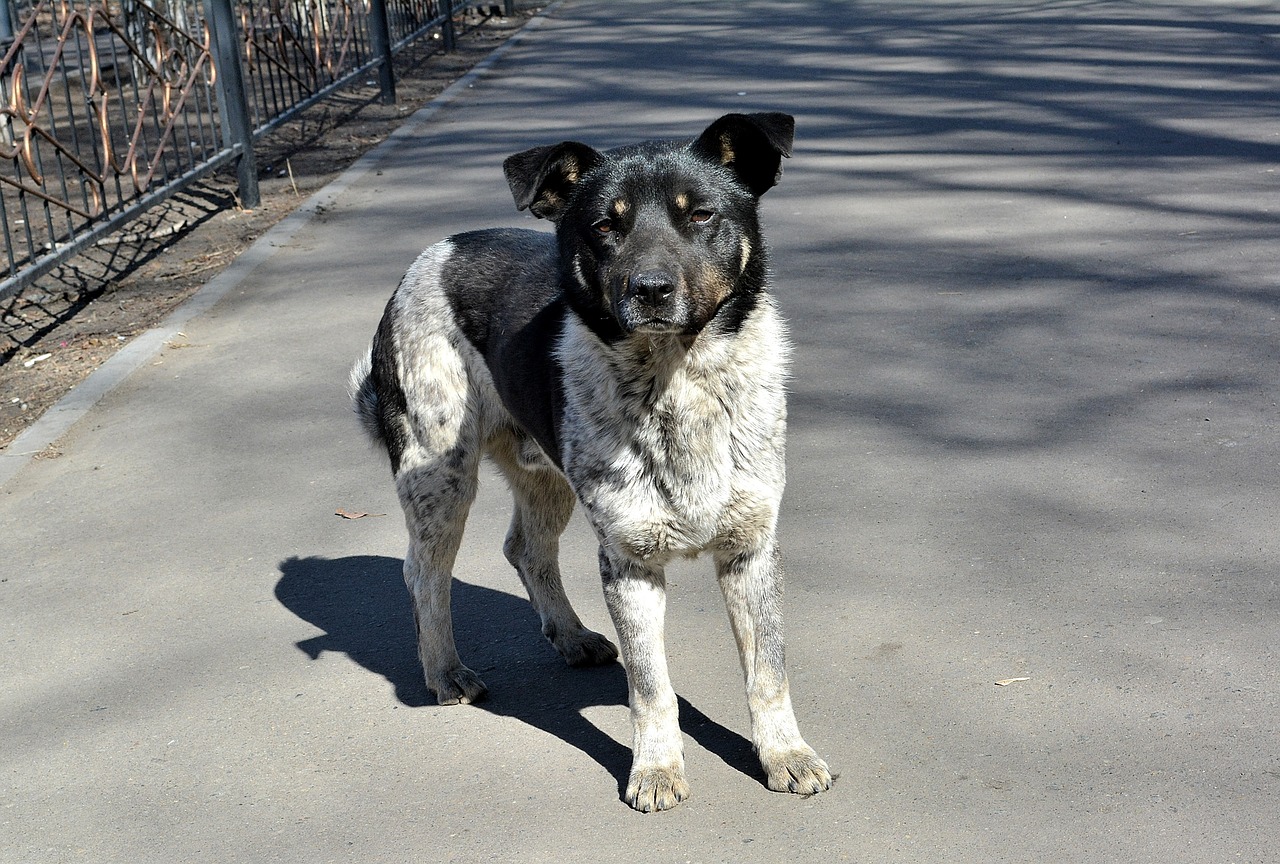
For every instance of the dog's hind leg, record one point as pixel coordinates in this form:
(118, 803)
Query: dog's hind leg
(543, 505)
(436, 494)
(636, 596)
(436, 479)
(751, 581)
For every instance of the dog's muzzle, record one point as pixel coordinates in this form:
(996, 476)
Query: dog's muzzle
(651, 302)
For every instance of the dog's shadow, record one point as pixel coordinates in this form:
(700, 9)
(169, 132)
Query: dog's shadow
(363, 608)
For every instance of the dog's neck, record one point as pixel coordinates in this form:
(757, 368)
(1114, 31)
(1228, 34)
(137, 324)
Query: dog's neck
(653, 360)
(658, 352)
(644, 366)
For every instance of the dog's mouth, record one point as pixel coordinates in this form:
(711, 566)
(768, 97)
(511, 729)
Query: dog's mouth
(675, 315)
(655, 326)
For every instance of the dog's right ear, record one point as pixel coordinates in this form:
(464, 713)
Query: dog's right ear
(542, 178)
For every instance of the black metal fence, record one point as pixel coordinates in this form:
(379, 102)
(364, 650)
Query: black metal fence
(107, 107)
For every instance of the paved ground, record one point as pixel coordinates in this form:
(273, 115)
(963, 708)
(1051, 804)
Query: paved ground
(1029, 253)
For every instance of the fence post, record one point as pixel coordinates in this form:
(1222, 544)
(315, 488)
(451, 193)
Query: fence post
(6, 124)
(446, 26)
(381, 38)
(232, 105)
(6, 25)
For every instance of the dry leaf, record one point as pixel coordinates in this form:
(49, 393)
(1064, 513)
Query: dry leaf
(1005, 682)
(354, 514)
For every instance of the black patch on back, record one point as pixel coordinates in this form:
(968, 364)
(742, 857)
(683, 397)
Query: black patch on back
(503, 286)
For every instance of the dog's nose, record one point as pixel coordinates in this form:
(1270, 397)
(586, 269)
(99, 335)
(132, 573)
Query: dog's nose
(652, 286)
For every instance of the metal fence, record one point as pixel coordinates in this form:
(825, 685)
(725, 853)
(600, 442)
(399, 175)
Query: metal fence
(107, 107)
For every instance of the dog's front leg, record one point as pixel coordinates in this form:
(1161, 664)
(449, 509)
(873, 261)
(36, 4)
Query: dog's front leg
(752, 584)
(637, 600)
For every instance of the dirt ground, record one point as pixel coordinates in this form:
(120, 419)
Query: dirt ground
(56, 332)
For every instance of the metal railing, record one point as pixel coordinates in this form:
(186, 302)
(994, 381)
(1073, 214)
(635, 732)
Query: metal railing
(107, 107)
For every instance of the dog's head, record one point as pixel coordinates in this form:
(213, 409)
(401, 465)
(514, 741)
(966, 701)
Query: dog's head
(658, 237)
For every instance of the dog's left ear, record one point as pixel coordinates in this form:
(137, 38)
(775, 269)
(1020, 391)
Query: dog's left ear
(752, 145)
(542, 178)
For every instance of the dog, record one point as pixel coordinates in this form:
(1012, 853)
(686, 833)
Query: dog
(633, 362)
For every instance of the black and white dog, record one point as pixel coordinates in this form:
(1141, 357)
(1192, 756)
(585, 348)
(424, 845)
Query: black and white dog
(634, 360)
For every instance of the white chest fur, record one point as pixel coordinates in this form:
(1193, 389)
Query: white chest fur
(676, 447)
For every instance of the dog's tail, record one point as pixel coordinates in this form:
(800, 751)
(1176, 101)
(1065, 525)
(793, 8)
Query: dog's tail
(364, 398)
(379, 403)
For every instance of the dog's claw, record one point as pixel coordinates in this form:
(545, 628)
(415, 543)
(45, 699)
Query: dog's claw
(458, 686)
(800, 771)
(588, 648)
(652, 789)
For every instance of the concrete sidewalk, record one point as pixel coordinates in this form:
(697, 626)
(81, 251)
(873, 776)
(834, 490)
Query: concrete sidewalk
(1029, 254)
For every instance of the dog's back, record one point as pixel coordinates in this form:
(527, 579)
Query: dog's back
(492, 294)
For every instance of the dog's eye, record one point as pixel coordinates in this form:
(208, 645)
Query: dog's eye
(604, 226)
(701, 217)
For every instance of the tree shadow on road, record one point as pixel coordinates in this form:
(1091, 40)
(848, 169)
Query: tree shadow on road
(361, 604)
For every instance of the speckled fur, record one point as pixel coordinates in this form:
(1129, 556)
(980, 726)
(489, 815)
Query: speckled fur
(664, 419)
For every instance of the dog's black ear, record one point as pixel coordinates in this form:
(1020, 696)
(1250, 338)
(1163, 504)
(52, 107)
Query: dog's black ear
(541, 178)
(752, 145)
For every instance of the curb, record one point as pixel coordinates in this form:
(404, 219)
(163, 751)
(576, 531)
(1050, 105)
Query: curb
(68, 410)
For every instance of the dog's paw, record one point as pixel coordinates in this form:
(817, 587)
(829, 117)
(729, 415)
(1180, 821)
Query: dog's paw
(651, 789)
(586, 648)
(799, 771)
(458, 686)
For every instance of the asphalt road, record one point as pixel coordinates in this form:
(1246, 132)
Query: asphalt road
(1029, 254)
